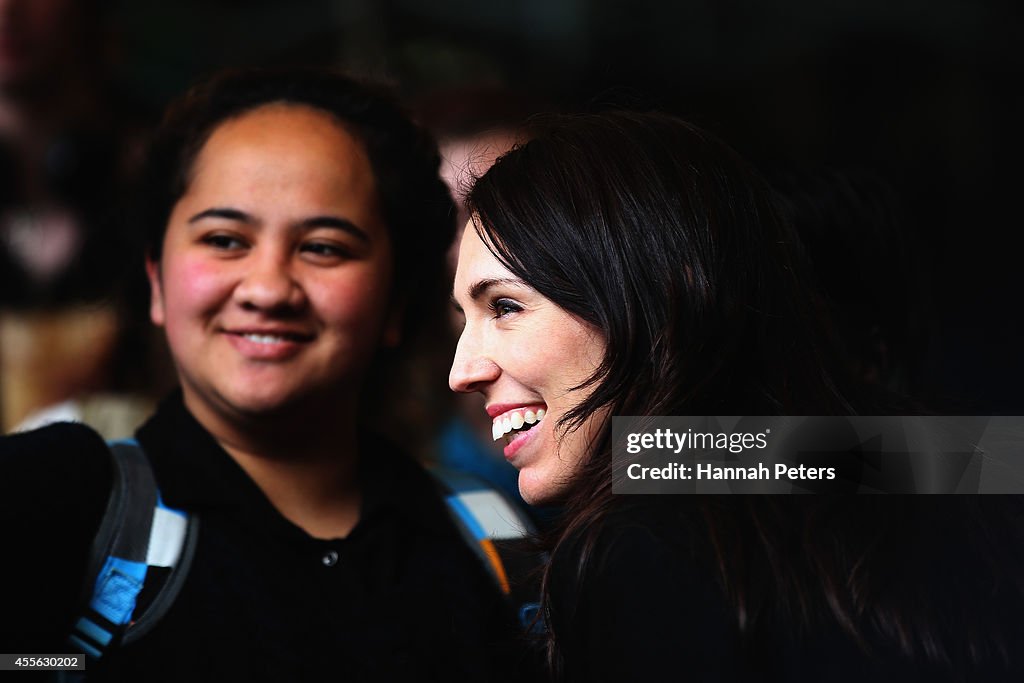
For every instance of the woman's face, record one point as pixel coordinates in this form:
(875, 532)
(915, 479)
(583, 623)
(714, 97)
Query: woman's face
(274, 283)
(525, 355)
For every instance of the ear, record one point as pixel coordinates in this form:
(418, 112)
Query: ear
(156, 300)
(392, 336)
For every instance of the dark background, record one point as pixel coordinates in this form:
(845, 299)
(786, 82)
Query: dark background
(923, 95)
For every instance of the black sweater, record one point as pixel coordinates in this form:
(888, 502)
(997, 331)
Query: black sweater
(404, 599)
(650, 605)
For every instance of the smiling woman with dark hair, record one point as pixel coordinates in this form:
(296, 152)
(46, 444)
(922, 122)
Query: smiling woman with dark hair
(292, 214)
(632, 264)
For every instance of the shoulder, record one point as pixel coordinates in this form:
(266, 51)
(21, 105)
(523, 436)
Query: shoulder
(388, 472)
(397, 487)
(636, 544)
(63, 453)
(626, 595)
(54, 475)
(446, 576)
(54, 484)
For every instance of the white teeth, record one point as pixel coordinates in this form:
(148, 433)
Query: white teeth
(540, 414)
(263, 338)
(514, 420)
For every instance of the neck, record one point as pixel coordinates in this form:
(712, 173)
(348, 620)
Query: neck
(320, 496)
(304, 462)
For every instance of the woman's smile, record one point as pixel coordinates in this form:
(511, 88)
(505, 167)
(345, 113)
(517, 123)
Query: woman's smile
(514, 425)
(269, 345)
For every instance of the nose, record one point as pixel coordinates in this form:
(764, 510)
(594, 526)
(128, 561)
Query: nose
(472, 369)
(269, 283)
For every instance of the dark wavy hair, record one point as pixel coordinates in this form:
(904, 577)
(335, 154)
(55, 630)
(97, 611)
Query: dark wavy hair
(414, 202)
(662, 238)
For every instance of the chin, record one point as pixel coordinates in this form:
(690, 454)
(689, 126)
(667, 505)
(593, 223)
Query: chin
(258, 401)
(537, 490)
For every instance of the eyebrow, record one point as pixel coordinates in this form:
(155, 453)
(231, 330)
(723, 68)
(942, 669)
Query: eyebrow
(481, 286)
(218, 212)
(333, 222)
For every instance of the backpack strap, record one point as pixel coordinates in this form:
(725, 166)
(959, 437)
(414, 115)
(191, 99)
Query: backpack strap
(141, 544)
(497, 530)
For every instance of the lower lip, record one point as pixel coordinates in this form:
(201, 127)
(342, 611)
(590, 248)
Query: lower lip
(518, 442)
(275, 351)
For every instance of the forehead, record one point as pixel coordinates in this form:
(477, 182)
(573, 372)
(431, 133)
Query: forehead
(475, 260)
(290, 135)
(286, 159)
(271, 115)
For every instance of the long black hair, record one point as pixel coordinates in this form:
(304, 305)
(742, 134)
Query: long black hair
(660, 236)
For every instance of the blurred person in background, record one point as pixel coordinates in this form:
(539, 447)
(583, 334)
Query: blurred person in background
(71, 317)
(474, 125)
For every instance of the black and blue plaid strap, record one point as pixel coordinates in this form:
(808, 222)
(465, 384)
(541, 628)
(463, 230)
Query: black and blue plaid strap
(141, 544)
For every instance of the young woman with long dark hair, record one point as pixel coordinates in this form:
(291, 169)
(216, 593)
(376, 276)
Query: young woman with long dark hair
(632, 264)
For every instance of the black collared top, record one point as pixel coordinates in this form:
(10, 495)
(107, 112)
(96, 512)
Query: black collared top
(400, 598)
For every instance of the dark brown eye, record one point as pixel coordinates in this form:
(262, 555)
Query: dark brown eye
(503, 307)
(223, 242)
(326, 250)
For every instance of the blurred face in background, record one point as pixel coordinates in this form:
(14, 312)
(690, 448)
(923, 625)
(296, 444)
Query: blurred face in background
(41, 37)
(469, 157)
(464, 158)
(274, 285)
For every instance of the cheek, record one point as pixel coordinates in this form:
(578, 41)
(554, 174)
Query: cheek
(548, 480)
(581, 353)
(190, 287)
(541, 359)
(351, 299)
(529, 366)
